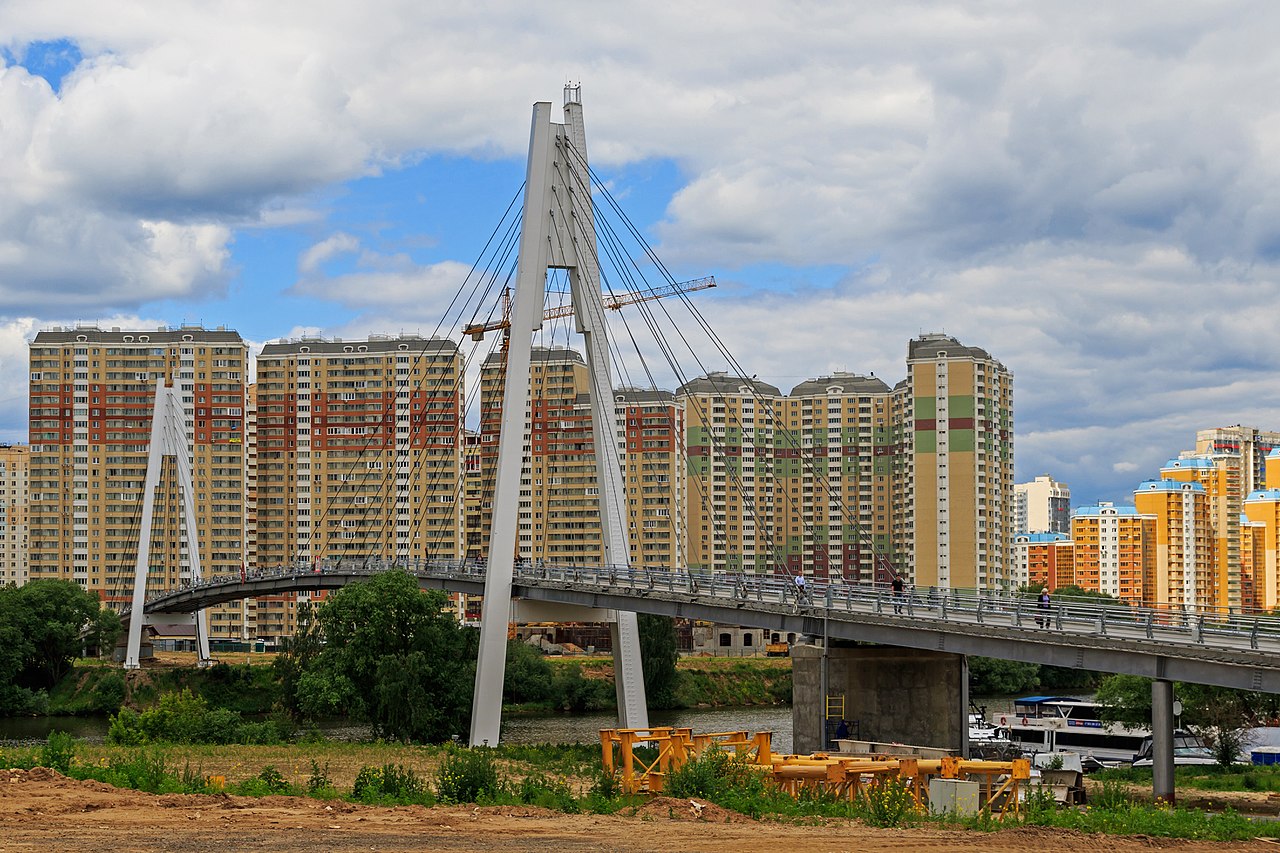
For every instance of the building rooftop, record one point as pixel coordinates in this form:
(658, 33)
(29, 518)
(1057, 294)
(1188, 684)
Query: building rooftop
(1042, 537)
(375, 344)
(116, 335)
(1191, 462)
(727, 385)
(1264, 495)
(1168, 486)
(1104, 508)
(840, 383)
(641, 396)
(540, 355)
(930, 344)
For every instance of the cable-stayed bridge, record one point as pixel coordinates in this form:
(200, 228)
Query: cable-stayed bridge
(1169, 644)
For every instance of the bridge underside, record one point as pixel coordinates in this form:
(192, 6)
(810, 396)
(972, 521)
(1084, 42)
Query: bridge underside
(1258, 670)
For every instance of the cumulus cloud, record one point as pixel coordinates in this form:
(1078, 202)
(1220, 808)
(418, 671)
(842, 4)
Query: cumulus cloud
(1088, 192)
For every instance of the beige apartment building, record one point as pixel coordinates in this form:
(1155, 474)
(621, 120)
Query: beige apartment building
(730, 499)
(834, 450)
(14, 466)
(957, 506)
(92, 393)
(359, 450)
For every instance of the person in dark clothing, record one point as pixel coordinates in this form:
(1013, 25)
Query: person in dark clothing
(1043, 619)
(898, 587)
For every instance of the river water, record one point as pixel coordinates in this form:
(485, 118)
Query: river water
(566, 728)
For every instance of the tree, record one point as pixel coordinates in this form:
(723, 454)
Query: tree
(391, 654)
(659, 653)
(44, 625)
(992, 675)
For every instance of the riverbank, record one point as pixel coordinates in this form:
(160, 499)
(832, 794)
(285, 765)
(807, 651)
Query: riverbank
(95, 688)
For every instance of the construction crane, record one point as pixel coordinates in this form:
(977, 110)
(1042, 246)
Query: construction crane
(614, 303)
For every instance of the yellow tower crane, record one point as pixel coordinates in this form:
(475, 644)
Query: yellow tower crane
(478, 330)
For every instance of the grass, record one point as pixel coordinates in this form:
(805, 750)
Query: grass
(567, 779)
(1204, 778)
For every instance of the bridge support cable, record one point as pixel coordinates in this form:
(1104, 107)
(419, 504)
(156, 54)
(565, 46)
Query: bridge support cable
(168, 438)
(879, 560)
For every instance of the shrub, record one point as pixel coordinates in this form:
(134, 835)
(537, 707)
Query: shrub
(318, 783)
(466, 775)
(715, 775)
(538, 790)
(889, 804)
(390, 782)
(1113, 795)
(58, 752)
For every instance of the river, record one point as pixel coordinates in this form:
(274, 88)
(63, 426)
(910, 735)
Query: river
(560, 728)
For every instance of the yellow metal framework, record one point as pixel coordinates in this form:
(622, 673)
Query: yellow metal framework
(845, 777)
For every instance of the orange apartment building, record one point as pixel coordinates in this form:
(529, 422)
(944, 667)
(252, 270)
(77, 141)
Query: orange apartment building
(1114, 551)
(1044, 558)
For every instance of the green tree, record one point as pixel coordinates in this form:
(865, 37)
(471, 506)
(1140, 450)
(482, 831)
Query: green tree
(659, 652)
(992, 675)
(392, 655)
(528, 676)
(44, 625)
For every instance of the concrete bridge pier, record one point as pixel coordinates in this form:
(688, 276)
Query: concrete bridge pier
(894, 695)
(1162, 740)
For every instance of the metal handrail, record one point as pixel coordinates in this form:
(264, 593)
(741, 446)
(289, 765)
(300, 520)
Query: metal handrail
(1194, 627)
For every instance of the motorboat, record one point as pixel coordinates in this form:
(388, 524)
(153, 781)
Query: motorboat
(1068, 724)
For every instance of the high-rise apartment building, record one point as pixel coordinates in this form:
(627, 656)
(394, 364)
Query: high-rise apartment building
(92, 393)
(835, 448)
(14, 467)
(1115, 551)
(650, 432)
(559, 518)
(1272, 476)
(1044, 558)
(1262, 515)
(958, 422)
(359, 450)
(730, 503)
(1252, 445)
(1222, 475)
(1185, 573)
(1042, 506)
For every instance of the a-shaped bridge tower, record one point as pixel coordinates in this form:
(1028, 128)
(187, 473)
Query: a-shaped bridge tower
(557, 231)
(168, 438)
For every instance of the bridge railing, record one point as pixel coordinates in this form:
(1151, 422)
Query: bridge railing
(1174, 622)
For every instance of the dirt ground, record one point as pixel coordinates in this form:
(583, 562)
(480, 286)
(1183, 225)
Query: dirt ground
(43, 811)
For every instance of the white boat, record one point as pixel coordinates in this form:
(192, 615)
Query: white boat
(1067, 724)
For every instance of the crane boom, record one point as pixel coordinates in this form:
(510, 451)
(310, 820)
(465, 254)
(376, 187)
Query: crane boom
(477, 331)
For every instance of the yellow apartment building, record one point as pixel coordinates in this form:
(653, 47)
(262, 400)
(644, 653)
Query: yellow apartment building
(1185, 572)
(834, 451)
(359, 450)
(730, 504)
(1262, 510)
(1044, 558)
(14, 475)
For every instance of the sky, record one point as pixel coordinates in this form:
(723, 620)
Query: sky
(1090, 191)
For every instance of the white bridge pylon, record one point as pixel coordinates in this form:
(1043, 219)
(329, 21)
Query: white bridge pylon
(557, 231)
(168, 438)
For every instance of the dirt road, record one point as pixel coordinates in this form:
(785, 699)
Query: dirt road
(43, 811)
